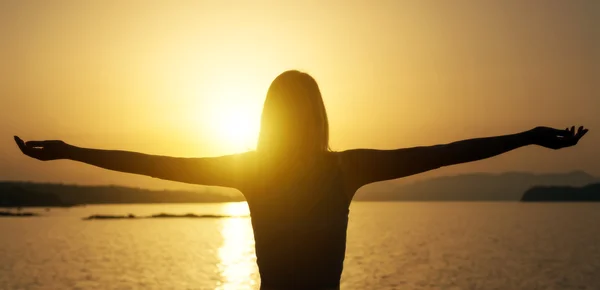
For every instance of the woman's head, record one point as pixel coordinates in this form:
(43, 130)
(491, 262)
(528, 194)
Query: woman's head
(294, 117)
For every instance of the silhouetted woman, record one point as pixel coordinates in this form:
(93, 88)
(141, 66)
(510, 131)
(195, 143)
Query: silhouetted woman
(298, 190)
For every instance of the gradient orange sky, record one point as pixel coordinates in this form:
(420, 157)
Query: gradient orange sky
(169, 77)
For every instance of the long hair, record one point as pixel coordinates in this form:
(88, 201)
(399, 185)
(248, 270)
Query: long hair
(294, 119)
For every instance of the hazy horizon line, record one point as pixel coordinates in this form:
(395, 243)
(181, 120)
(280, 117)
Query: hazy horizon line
(579, 171)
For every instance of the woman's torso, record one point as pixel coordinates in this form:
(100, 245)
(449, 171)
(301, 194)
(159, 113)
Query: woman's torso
(299, 216)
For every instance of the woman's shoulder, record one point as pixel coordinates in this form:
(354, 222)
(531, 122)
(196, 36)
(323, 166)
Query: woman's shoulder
(350, 155)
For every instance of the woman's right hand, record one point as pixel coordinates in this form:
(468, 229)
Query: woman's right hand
(44, 150)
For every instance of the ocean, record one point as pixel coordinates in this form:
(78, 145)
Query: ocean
(391, 245)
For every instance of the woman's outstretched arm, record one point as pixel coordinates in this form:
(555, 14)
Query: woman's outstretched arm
(218, 171)
(363, 166)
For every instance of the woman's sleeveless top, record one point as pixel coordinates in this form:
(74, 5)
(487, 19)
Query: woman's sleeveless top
(299, 217)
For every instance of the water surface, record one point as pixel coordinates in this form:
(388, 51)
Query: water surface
(390, 246)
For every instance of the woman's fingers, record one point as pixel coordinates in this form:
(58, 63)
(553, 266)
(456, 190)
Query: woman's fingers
(581, 133)
(576, 135)
(18, 140)
(571, 132)
(21, 145)
(569, 136)
(26, 150)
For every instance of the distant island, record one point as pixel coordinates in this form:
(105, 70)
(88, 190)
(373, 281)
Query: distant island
(29, 194)
(160, 216)
(563, 193)
(17, 214)
(509, 186)
(25, 196)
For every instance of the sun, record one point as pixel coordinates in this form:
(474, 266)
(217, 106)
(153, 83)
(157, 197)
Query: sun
(231, 109)
(236, 127)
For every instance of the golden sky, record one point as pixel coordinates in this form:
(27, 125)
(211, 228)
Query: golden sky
(188, 78)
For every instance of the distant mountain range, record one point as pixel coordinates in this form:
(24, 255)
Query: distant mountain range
(508, 186)
(467, 187)
(25, 194)
(589, 192)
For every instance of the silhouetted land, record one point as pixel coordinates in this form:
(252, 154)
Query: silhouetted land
(563, 193)
(17, 214)
(508, 186)
(25, 194)
(159, 216)
(14, 195)
(467, 187)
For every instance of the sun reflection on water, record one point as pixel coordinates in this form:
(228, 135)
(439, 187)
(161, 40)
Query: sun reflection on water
(237, 265)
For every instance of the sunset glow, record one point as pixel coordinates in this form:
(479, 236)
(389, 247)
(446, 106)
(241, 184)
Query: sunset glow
(235, 127)
(190, 79)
